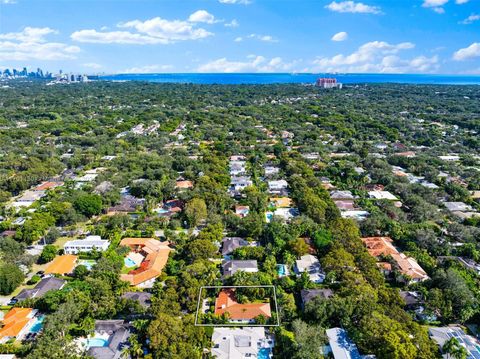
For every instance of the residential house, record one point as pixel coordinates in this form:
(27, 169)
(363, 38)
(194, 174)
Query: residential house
(16, 323)
(271, 171)
(382, 195)
(86, 245)
(341, 346)
(181, 185)
(279, 186)
(458, 207)
(230, 267)
(229, 244)
(128, 204)
(407, 154)
(242, 211)
(151, 256)
(450, 158)
(383, 247)
(62, 265)
(284, 213)
(442, 334)
(117, 333)
(240, 343)
(357, 214)
(46, 284)
(342, 195)
(238, 184)
(310, 265)
(244, 313)
(308, 295)
(237, 168)
(143, 298)
(281, 202)
(48, 185)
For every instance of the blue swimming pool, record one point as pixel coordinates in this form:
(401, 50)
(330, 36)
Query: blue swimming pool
(38, 325)
(264, 353)
(282, 270)
(129, 263)
(97, 342)
(88, 263)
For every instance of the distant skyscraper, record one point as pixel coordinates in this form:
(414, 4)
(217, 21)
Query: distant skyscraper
(328, 83)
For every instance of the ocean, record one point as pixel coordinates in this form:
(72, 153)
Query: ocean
(256, 78)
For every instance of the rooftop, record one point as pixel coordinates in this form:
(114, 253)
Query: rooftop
(62, 264)
(226, 303)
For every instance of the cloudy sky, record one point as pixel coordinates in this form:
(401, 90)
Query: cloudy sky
(127, 36)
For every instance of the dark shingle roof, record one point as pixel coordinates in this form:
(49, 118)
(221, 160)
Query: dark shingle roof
(42, 287)
(143, 298)
(308, 294)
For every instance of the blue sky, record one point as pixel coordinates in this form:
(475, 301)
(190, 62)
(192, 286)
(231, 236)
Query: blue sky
(119, 36)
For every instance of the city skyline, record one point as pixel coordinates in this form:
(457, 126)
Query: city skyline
(368, 36)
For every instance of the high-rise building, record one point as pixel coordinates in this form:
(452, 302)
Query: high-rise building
(328, 83)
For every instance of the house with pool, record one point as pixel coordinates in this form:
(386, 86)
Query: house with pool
(240, 343)
(19, 323)
(108, 340)
(147, 258)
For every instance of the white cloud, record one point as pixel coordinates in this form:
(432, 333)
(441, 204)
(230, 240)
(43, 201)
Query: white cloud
(435, 5)
(253, 64)
(152, 31)
(377, 56)
(353, 7)
(471, 19)
(92, 65)
(460, 2)
(147, 69)
(32, 34)
(233, 23)
(115, 37)
(243, 2)
(266, 38)
(31, 44)
(439, 10)
(168, 30)
(468, 52)
(340, 36)
(8, 2)
(202, 16)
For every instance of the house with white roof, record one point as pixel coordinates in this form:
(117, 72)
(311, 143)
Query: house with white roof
(241, 343)
(311, 266)
(341, 346)
(86, 245)
(277, 186)
(382, 195)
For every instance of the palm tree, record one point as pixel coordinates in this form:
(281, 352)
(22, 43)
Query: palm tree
(454, 350)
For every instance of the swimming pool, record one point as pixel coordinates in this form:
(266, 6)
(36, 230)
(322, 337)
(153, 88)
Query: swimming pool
(129, 263)
(97, 342)
(38, 325)
(87, 263)
(282, 270)
(264, 353)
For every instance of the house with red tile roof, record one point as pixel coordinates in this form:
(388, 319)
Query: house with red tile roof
(155, 256)
(247, 312)
(15, 323)
(383, 246)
